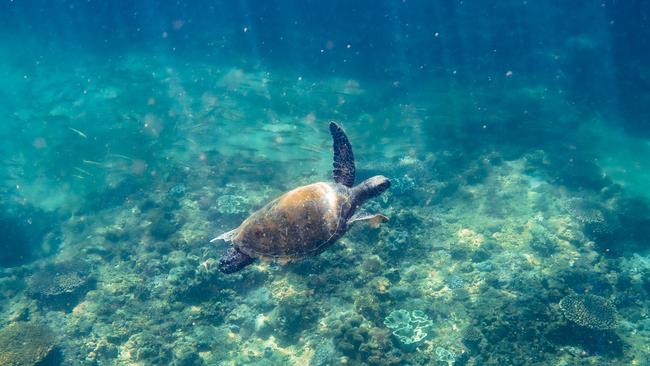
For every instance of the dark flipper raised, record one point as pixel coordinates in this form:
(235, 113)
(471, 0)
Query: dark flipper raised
(234, 260)
(343, 172)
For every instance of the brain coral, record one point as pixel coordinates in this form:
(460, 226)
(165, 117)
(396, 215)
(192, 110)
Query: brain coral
(589, 311)
(25, 344)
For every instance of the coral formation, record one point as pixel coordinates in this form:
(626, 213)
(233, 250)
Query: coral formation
(25, 344)
(232, 204)
(542, 240)
(408, 327)
(325, 353)
(445, 356)
(585, 211)
(471, 335)
(292, 315)
(591, 311)
(60, 280)
(363, 343)
(163, 224)
(177, 190)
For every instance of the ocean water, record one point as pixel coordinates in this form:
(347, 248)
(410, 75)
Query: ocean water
(515, 134)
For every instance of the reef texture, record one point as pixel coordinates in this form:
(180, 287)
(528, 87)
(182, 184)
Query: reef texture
(589, 311)
(25, 344)
(492, 232)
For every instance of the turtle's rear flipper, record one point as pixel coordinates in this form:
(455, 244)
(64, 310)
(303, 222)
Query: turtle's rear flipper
(234, 260)
(227, 236)
(374, 220)
(344, 170)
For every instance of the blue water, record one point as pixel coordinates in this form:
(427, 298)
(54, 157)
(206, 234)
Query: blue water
(515, 134)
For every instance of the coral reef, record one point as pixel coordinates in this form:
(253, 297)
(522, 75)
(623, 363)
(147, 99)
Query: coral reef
(445, 356)
(232, 204)
(163, 225)
(408, 327)
(293, 315)
(585, 211)
(25, 344)
(543, 241)
(60, 280)
(494, 218)
(471, 335)
(591, 311)
(360, 342)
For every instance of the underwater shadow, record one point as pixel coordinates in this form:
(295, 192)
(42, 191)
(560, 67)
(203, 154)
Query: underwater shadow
(21, 235)
(593, 341)
(54, 358)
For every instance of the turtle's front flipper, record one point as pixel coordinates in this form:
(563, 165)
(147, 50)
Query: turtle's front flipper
(234, 260)
(373, 219)
(344, 170)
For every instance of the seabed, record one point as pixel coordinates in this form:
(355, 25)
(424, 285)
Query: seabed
(141, 162)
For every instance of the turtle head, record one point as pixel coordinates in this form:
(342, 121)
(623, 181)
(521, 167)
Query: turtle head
(369, 188)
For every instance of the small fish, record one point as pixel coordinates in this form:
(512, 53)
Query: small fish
(92, 162)
(78, 176)
(78, 132)
(313, 148)
(82, 171)
(121, 156)
(198, 125)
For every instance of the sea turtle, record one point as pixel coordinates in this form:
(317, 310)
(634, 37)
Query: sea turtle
(306, 220)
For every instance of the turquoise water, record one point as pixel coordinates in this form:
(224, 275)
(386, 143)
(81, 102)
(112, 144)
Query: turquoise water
(515, 135)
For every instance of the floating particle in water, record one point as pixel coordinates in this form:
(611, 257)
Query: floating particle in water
(39, 143)
(178, 24)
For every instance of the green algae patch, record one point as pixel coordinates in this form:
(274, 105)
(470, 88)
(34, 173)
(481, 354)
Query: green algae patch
(25, 344)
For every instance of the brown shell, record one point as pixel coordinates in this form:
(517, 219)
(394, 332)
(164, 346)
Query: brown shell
(300, 223)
